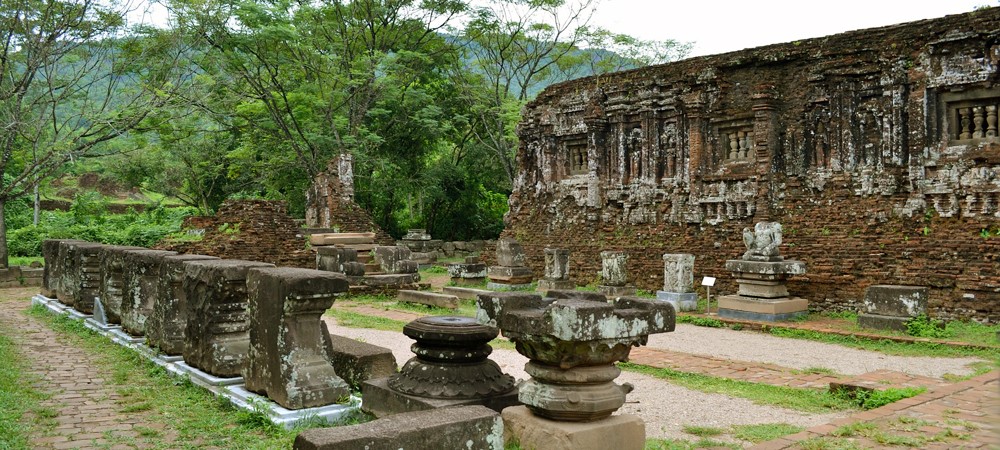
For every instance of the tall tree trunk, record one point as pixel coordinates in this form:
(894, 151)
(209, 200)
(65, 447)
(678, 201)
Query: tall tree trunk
(3, 237)
(38, 206)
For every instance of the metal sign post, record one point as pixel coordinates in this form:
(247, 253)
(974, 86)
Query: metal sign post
(708, 282)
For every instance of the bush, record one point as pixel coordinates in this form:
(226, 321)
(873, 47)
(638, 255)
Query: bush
(923, 326)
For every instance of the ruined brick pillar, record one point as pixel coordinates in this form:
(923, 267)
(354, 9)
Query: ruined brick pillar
(328, 190)
(765, 137)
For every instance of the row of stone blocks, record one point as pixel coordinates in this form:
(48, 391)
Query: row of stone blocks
(228, 318)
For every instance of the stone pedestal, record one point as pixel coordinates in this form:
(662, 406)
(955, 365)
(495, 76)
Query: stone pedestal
(889, 307)
(556, 270)
(573, 343)
(141, 279)
(614, 274)
(287, 359)
(216, 339)
(678, 282)
(165, 325)
(451, 367)
(620, 432)
(510, 273)
(762, 293)
(468, 273)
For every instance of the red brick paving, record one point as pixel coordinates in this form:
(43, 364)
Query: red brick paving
(87, 412)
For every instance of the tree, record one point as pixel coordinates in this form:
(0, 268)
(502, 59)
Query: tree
(71, 78)
(519, 46)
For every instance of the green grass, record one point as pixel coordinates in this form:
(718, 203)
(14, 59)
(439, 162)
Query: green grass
(355, 320)
(889, 347)
(24, 260)
(17, 398)
(764, 432)
(200, 418)
(681, 444)
(702, 431)
(808, 400)
(700, 321)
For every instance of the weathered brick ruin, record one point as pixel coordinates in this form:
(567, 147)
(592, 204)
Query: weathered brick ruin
(330, 202)
(253, 230)
(876, 149)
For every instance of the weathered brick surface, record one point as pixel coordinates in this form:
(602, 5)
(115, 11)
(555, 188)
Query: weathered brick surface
(252, 230)
(861, 144)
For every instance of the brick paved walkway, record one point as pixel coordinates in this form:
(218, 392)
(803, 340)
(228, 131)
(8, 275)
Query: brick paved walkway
(961, 415)
(86, 411)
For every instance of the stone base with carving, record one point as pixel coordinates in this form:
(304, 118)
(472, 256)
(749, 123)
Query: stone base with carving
(682, 301)
(619, 432)
(767, 310)
(616, 291)
(381, 400)
(548, 285)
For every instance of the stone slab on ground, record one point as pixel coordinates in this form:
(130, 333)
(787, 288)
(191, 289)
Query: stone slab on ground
(464, 293)
(880, 322)
(428, 298)
(357, 361)
(464, 427)
(616, 291)
(739, 307)
(382, 401)
(895, 300)
(618, 432)
(547, 285)
(391, 280)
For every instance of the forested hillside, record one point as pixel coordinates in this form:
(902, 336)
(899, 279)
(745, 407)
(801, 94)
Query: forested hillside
(251, 99)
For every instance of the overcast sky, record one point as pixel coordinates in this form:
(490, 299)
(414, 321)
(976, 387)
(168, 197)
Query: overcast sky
(722, 26)
(718, 26)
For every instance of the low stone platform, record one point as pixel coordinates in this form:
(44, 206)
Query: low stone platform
(466, 427)
(464, 293)
(428, 298)
(382, 401)
(770, 310)
(618, 432)
(616, 291)
(547, 285)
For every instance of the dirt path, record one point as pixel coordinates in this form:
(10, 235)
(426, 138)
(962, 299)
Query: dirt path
(82, 411)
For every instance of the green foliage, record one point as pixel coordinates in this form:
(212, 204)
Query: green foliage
(88, 220)
(871, 399)
(888, 346)
(923, 326)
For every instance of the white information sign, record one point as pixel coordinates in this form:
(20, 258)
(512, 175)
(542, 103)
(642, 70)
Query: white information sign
(708, 281)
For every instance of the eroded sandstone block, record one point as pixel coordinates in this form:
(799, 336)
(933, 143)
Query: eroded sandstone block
(394, 259)
(113, 280)
(141, 279)
(357, 361)
(80, 275)
(53, 268)
(332, 259)
(216, 338)
(166, 325)
(288, 360)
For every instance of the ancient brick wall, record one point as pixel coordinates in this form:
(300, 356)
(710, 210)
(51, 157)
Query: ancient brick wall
(253, 230)
(876, 149)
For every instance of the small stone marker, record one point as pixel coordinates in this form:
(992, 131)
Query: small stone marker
(678, 282)
(889, 307)
(287, 359)
(614, 274)
(510, 273)
(52, 272)
(556, 270)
